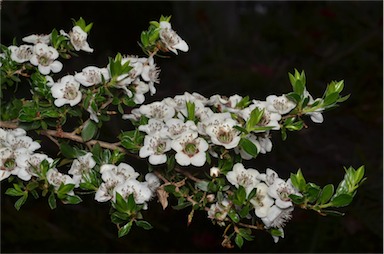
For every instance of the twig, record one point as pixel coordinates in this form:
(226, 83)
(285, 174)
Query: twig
(79, 139)
(187, 174)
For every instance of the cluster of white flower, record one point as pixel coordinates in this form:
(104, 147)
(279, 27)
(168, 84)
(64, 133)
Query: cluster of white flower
(122, 179)
(271, 202)
(17, 157)
(44, 56)
(217, 117)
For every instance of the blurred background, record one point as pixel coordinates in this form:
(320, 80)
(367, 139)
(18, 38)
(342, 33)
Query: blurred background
(244, 48)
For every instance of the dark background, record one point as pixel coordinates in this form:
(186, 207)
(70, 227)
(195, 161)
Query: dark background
(235, 47)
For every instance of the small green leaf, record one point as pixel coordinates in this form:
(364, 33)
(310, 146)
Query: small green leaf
(326, 193)
(342, 200)
(131, 204)
(21, 201)
(234, 216)
(143, 224)
(125, 229)
(14, 192)
(89, 130)
(248, 146)
(239, 240)
(52, 200)
(202, 185)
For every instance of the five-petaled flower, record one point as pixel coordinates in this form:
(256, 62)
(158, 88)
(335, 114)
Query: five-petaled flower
(190, 149)
(171, 40)
(66, 91)
(44, 57)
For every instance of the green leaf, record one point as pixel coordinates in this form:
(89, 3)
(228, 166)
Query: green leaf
(326, 193)
(121, 205)
(297, 199)
(72, 199)
(118, 217)
(234, 216)
(67, 151)
(143, 224)
(89, 130)
(241, 195)
(21, 201)
(239, 240)
(191, 110)
(65, 188)
(248, 146)
(125, 229)
(202, 185)
(14, 192)
(342, 200)
(313, 192)
(131, 204)
(254, 118)
(52, 200)
(298, 181)
(182, 205)
(332, 213)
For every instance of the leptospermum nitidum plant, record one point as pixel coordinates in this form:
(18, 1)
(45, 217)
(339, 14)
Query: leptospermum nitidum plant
(194, 146)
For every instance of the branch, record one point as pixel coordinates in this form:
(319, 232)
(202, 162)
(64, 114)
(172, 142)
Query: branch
(187, 174)
(71, 136)
(76, 138)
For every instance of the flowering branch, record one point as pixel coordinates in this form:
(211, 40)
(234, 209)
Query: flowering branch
(172, 135)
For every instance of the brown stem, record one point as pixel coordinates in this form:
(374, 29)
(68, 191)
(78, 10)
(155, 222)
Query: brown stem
(187, 174)
(79, 139)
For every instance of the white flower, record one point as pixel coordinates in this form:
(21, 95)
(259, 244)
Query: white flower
(265, 144)
(66, 91)
(81, 167)
(92, 75)
(157, 110)
(316, 116)
(112, 176)
(171, 40)
(281, 104)
(154, 126)
(280, 191)
(140, 191)
(225, 104)
(44, 58)
(78, 39)
(176, 127)
(277, 217)
(150, 74)
(190, 149)
(224, 133)
(21, 54)
(155, 148)
(28, 165)
(268, 177)
(7, 163)
(38, 38)
(140, 88)
(244, 177)
(261, 201)
(152, 181)
(219, 211)
(56, 178)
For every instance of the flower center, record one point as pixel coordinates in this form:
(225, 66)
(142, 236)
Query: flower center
(24, 53)
(224, 136)
(9, 164)
(70, 92)
(190, 149)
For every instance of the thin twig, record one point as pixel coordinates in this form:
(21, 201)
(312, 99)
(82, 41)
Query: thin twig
(188, 174)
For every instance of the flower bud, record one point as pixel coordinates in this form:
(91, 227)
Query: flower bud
(214, 172)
